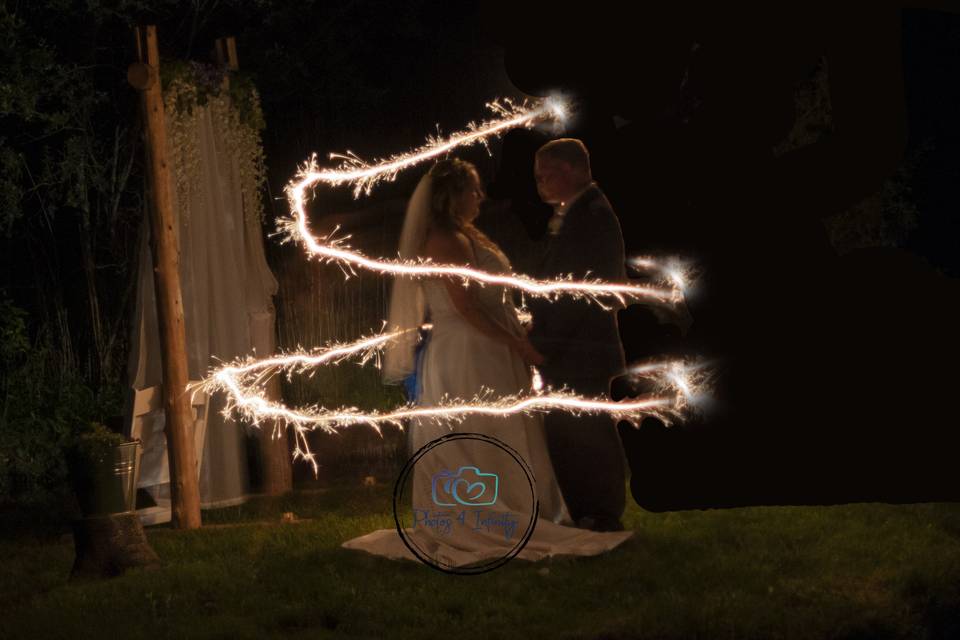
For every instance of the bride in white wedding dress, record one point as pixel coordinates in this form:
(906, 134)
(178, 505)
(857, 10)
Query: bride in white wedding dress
(477, 344)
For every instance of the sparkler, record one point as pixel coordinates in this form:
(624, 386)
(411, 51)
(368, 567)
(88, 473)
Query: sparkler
(244, 381)
(689, 380)
(364, 176)
(674, 271)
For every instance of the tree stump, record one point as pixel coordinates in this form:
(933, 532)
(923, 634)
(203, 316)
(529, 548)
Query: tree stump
(107, 546)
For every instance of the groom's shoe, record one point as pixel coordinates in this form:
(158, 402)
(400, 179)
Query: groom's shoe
(609, 524)
(599, 524)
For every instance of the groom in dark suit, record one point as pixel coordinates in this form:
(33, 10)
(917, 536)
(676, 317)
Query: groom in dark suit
(579, 340)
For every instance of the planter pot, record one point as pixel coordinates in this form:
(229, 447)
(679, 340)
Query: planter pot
(109, 538)
(106, 483)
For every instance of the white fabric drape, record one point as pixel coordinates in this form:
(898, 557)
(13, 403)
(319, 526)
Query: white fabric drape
(407, 304)
(227, 291)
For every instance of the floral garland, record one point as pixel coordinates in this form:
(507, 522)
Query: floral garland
(188, 89)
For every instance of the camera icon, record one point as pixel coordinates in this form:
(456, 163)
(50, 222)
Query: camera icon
(468, 487)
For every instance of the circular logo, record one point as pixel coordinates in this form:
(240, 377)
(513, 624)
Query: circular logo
(466, 493)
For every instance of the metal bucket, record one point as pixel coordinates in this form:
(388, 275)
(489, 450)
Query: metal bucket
(110, 485)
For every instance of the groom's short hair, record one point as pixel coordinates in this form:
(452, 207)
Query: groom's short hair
(569, 150)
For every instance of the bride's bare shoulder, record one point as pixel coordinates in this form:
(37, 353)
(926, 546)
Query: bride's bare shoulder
(447, 246)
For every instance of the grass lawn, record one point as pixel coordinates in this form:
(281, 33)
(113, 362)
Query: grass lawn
(857, 571)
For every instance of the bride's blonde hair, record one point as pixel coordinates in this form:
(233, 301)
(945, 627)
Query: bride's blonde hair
(450, 178)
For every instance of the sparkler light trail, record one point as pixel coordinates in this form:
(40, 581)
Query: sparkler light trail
(363, 176)
(244, 381)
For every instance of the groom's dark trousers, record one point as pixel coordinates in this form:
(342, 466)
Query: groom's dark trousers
(580, 342)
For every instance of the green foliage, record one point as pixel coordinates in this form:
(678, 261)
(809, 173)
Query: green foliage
(886, 218)
(44, 410)
(96, 441)
(246, 100)
(237, 121)
(11, 175)
(71, 204)
(13, 331)
(50, 104)
(207, 82)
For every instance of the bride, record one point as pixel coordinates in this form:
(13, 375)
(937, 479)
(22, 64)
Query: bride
(477, 345)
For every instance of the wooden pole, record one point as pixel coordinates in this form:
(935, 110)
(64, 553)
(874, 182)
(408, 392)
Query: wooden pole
(226, 51)
(184, 482)
(275, 452)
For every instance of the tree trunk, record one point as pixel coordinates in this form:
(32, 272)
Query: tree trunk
(106, 546)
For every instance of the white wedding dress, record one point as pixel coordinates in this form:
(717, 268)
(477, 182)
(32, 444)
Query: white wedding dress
(460, 362)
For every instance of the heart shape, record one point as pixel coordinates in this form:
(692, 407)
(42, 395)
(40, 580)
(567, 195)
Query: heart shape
(471, 487)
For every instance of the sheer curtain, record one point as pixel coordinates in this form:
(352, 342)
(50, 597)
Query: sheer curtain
(227, 291)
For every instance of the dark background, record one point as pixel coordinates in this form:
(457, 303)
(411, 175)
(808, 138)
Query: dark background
(837, 370)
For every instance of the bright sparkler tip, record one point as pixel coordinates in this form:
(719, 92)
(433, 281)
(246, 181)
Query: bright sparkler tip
(559, 107)
(673, 270)
(536, 380)
(689, 380)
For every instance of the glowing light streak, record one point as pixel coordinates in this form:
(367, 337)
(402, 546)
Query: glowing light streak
(329, 249)
(691, 380)
(363, 176)
(673, 270)
(244, 381)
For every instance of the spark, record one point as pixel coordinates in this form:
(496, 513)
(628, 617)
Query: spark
(331, 249)
(559, 108)
(690, 379)
(244, 381)
(524, 317)
(536, 380)
(673, 270)
(364, 176)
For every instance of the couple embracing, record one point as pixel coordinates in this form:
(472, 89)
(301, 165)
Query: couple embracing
(477, 344)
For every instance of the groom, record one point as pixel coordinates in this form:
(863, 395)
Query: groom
(578, 339)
